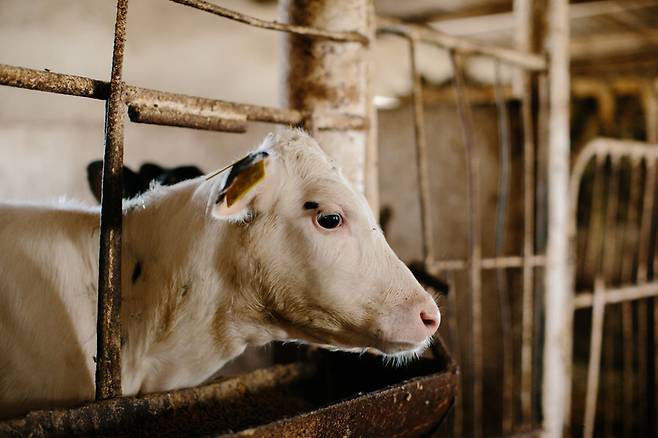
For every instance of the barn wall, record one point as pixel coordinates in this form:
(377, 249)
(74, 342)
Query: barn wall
(47, 140)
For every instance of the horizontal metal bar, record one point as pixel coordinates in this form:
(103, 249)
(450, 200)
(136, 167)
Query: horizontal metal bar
(338, 36)
(255, 113)
(157, 115)
(183, 110)
(21, 77)
(488, 263)
(618, 295)
(528, 61)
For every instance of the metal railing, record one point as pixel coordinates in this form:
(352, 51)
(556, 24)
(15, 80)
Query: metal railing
(617, 262)
(475, 264)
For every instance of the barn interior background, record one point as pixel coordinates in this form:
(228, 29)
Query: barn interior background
(484, 120)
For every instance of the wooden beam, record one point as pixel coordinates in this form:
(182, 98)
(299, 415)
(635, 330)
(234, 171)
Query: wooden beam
(505, 21)
(606, 45)
(640, 65)
(475, 10)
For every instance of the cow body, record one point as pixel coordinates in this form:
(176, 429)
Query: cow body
(201, 280)
(48, 300)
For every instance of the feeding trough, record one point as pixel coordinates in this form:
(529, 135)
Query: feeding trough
(321, 394)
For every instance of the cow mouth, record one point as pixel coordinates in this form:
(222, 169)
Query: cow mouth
(351, 339)
(355, 341)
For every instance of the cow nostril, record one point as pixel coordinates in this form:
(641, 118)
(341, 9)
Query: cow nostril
(429, 320)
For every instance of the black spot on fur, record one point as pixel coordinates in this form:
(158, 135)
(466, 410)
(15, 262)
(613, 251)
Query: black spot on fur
(310, 205)
(137, 271)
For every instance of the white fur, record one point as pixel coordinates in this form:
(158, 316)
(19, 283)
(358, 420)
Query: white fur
(209, 284)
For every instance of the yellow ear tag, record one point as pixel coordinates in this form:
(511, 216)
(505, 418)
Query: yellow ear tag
(245, 181)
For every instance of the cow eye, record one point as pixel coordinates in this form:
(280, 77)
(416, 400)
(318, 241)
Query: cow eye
(329, 220)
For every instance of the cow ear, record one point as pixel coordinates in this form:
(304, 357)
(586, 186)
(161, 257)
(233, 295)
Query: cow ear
(233, 200)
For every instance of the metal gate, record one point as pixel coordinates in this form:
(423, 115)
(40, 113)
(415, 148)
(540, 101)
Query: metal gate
(613, 229)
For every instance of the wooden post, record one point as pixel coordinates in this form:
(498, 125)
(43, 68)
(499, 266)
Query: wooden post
(556, 396)
(325, 77)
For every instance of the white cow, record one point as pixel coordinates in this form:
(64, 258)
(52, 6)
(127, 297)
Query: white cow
(209, 267)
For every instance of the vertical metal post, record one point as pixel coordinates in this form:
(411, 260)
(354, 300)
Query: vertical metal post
(610, 254)
(628, 244)
(501, 279)
(474, 239)
(642, 305)
(326, 77)
(593, 368)
(556, 395)
(528, 248)
(108, 362)
(529, 29)
(421, 157)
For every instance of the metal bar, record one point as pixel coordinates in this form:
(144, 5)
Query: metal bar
(527, 61)
(108, 356)
(156, 115)
(420, 141)
(488, 263)
(642, 273)
(453, 328)
(501, 281)
(645, 224)
(527, 305)
(627, 365)
(629, 242)
(642, 372)
(596, 340)
(592, 254)
(541, 193)
(474, 240)
(655, 352)
(556, 397)
(622, 294)
(21, 77)
(611, 399)
(137, 95)
(205, 6)
(611, 233)
(184, 105)
(650, 104)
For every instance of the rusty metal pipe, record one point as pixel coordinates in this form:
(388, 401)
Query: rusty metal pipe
(344, 37)
(108, 330)
(186, 107)
(156, 115)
